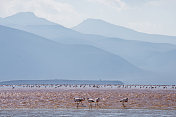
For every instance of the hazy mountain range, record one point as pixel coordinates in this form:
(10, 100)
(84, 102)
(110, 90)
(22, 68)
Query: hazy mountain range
(100, 27)
(34, 48)
(25, 55)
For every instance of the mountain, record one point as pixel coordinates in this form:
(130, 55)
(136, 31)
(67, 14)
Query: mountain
(25, 19)
(135, 52)
(166, 61)
(100, 27)
(28, 56)
(164, 64)
(29, 22)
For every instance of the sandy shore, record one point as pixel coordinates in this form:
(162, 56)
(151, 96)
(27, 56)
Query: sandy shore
(53, 98)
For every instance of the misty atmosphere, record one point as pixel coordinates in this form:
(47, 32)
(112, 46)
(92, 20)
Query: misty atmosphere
(87, 58)
(35, 48)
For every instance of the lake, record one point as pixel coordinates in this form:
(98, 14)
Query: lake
(87, 113)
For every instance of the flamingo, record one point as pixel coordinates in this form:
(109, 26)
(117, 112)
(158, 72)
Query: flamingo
(90, 101)
(78, 101)
(97, 100)
(123, 101)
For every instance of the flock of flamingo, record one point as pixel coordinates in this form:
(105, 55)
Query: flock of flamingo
(109, 93)
(90, 86)
(96, 101)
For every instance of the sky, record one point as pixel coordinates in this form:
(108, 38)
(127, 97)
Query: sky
(149, 16)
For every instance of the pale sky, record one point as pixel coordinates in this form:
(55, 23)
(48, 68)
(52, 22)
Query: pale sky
(150, 16)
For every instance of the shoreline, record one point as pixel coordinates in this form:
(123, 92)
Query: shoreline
(63, 98)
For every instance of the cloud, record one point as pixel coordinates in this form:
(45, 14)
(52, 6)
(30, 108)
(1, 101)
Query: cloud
(53, 10)
(162, 3)
(117, 5)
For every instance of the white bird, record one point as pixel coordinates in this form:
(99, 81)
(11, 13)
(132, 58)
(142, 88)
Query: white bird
(90, 101)
(123, 101)
(78, 101)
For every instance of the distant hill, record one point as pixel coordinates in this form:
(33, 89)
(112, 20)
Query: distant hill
(100, 27)
(166, 61)
(136, 54)
(28, 56)
(28, 18)
(28, 22)
(32, 82)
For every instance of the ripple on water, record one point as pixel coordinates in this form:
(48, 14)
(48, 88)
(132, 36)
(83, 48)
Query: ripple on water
(87, 113)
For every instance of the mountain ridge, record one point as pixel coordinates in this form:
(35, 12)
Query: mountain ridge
(100, 27)
(134, 52)
(38, 58)
(26, 18)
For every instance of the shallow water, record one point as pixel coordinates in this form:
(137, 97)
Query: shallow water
(87, 113)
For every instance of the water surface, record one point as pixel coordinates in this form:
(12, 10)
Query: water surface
(87, 113)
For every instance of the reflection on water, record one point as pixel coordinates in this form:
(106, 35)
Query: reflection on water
(87, 113)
